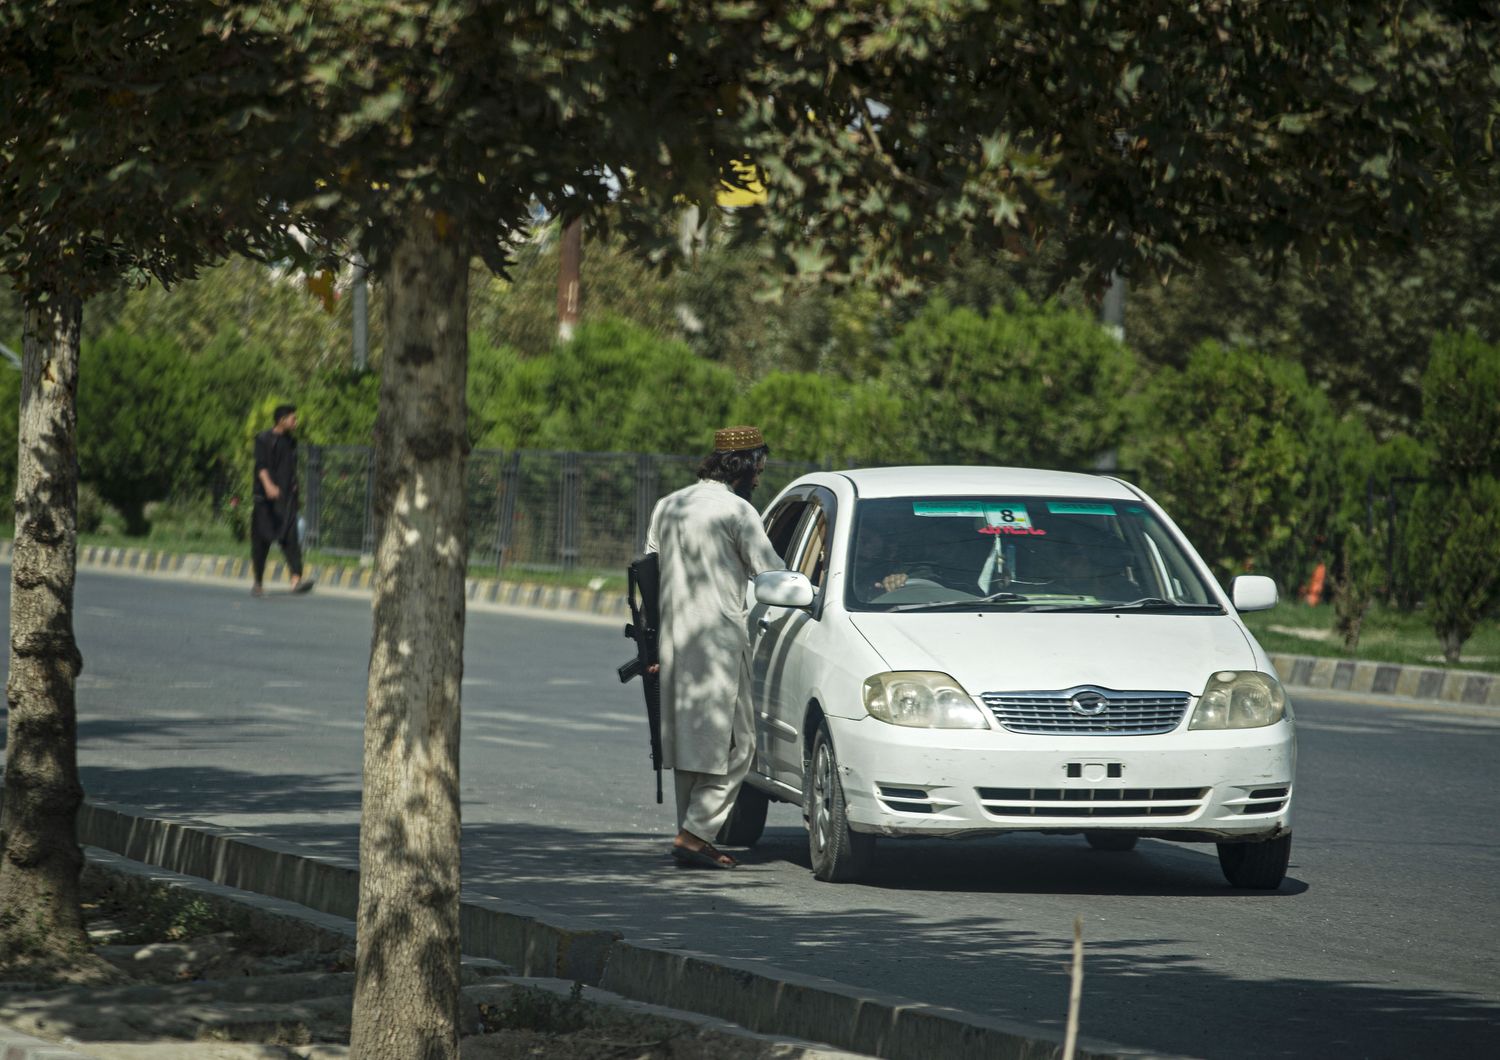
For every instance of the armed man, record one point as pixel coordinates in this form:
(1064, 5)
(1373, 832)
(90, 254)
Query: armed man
(710, 544)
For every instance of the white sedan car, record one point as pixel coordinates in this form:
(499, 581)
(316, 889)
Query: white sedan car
(968, 651)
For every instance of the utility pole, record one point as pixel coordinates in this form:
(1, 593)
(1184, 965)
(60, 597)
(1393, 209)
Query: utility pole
(569, 276)
(361, 308)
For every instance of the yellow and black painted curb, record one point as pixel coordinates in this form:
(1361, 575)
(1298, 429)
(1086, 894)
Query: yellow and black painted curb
(565, 598)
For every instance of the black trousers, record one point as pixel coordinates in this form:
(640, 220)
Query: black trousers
(274, 524)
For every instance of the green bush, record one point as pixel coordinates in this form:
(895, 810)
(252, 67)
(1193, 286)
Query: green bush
(1236, 446)
(820, 418)
(1031, 385)
(1454, 522)
(506, 395)
(1461, 406)
(187, 520)
(138, 421)
(1363, 561)
(1455, 528)
(618, 388)
(95, 514)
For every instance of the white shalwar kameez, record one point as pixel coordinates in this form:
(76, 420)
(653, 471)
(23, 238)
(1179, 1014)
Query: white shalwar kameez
(711, 544)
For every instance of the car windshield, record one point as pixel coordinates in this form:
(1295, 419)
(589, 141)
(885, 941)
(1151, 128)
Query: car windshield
(1018, 554)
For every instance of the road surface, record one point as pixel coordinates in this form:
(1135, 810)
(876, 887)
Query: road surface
(198, 701)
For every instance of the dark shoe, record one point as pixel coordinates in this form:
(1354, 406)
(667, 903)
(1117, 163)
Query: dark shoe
(706, 858)
(256, 590)
(304, 586)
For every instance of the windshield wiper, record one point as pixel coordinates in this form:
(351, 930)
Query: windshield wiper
(1147, 603)
(959, 605)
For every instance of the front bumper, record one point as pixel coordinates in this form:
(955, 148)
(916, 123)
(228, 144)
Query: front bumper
(1187, 785)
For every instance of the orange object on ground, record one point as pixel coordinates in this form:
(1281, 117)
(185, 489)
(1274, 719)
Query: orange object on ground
(1314, 591)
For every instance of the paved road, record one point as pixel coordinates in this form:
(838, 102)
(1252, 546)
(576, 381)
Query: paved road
(198, 701)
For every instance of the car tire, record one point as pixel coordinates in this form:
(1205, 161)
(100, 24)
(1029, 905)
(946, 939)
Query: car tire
(747, 820)
(1112, 841)
(838, 854)
(1256, 866)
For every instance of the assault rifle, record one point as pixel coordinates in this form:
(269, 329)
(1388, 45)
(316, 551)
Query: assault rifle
(643, 588)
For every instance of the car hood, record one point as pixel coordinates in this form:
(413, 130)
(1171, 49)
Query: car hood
(1040, 651)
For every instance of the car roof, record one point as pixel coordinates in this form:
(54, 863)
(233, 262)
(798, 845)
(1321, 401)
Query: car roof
(937, 481)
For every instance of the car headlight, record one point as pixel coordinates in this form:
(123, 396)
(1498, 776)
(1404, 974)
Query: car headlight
(1239, 699)
(920, 699)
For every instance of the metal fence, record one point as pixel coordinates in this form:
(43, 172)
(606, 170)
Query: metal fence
(531, 508)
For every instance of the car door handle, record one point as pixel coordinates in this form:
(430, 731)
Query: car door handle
(764, 625)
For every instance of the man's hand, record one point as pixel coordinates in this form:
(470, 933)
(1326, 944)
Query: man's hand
(272, 493)
(891, 582)
(654, 668)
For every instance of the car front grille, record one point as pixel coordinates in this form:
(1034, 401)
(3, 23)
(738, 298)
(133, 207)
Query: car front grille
(1091, 802)
(1067, 712)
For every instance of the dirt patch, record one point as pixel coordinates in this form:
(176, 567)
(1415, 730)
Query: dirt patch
(173, 973)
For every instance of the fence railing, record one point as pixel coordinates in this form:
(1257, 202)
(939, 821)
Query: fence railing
(533, 508)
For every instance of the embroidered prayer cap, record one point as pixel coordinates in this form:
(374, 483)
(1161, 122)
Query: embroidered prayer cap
(734, 439)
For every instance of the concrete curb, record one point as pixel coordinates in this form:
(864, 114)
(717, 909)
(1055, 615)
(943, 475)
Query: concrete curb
(359, 579)
(17, 1046)
(539, 944)
(1388, 679)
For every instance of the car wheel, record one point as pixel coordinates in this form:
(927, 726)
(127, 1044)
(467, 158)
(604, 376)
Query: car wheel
(747, 820)
(838, 855)
(1260, 866)
(1116, 841)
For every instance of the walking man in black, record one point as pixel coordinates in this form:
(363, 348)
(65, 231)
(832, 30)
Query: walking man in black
(274, 519)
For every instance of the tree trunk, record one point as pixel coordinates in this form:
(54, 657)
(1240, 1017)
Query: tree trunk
(40, 915)
(407, 972)
(569, 279)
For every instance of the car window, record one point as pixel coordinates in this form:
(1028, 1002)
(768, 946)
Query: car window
(781, 526)
(1039, 553)
(813, 561)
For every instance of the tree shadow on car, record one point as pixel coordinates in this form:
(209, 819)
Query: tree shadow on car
(1032, 864)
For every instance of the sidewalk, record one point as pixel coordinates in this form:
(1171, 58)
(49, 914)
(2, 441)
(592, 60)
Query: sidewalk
(738, 1009)
(1310, 672)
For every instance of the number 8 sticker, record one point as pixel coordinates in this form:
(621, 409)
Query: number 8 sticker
(1011, 515)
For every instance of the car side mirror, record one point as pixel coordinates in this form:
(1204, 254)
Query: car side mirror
(783, 588)
(1253, 592)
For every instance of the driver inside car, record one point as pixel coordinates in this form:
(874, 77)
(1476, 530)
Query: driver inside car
(878, 567)
(889, 556)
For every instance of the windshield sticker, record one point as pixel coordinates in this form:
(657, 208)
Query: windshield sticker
(1081, 509)
(940, 508)
(1011, 515)
(999, 518)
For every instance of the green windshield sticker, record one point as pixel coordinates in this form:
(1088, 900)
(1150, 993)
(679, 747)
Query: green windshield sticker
(971, 508)
(994, 513)
(1081, 509)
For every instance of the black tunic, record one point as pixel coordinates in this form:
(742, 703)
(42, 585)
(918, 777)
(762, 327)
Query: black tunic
(276, 454)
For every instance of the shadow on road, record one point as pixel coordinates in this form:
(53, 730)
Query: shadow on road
(1144, 985)
(1149, 989)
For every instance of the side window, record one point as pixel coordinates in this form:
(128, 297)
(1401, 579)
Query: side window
(814, 559)
(781, 527)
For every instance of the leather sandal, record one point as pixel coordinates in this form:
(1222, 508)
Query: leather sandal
(706, 857)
